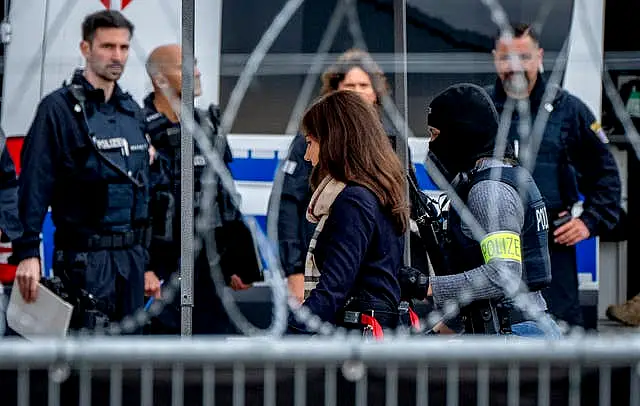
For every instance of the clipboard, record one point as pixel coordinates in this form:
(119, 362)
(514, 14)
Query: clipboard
(48, 316)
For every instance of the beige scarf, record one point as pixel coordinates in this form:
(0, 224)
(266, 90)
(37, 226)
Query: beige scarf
(318, 213)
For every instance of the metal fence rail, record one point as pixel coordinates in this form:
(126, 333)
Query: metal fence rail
(433, 371)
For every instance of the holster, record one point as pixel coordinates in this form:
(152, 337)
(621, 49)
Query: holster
(484, 317)
(162, 212)
(88, 311)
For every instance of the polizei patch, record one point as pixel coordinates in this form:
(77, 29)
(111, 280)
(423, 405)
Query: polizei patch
(501, 245)
(111, 143)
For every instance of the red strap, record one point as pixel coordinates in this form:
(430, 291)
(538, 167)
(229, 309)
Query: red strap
(373, 323)
(415, 320)
(7, 273)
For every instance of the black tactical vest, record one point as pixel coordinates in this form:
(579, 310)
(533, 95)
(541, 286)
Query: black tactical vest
(464, 253)
(165, 137)
(113, 177)
(233, 238)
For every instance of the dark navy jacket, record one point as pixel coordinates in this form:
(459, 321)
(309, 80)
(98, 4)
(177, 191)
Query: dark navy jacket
(358, 253)
(165, 137)
(58, 161)
(294, 231)
(572, 158)
(233, 238)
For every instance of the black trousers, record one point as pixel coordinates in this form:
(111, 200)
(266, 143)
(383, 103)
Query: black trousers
(562, 296)
(114, 277)
(208, 316)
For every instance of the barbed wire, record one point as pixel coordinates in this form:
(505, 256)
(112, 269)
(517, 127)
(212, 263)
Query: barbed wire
(451, 309)
(268, 244)
(631, 133)
(219, 172)
(319, 58)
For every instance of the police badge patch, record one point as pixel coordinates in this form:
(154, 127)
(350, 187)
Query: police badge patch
(597, 129)
(290, 167)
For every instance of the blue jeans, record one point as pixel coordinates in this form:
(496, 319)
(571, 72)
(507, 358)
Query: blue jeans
(533, 329)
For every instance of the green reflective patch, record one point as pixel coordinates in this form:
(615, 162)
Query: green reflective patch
(501, 245)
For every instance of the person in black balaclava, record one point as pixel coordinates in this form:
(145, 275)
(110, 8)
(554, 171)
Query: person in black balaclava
(484, 271)
(474, 130)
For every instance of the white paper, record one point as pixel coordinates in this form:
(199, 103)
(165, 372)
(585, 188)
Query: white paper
(48, 316)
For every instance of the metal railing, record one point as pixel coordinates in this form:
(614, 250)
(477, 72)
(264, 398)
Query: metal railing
(411, 371)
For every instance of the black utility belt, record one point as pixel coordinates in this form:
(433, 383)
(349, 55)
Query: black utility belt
(364, 321)
(98, 242)
(491, 317)
(354, 318)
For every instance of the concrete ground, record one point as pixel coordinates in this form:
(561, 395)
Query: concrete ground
(606, 326)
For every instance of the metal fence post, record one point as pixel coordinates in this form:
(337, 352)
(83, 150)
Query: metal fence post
(186, 174)
(402, 143)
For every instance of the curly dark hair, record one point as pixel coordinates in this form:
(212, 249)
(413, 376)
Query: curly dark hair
(355, 58)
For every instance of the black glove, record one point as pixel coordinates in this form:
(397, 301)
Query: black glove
(413, 283)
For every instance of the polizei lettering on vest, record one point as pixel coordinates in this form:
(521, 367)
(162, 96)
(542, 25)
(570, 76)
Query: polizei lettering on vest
(501, 245)
(113, 143)
(198, 160)
(542, 221)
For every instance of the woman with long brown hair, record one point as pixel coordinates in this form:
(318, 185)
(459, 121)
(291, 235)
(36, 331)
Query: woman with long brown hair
(354, 70)
(360, 210)
(350, 72)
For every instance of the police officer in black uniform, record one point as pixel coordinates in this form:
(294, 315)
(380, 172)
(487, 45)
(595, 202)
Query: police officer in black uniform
(86, 156)
(294, 231)
(572, 159)
(487, 269)
(238, 260)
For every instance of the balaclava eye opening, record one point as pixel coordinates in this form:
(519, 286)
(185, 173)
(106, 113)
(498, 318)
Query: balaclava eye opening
(468, 124)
